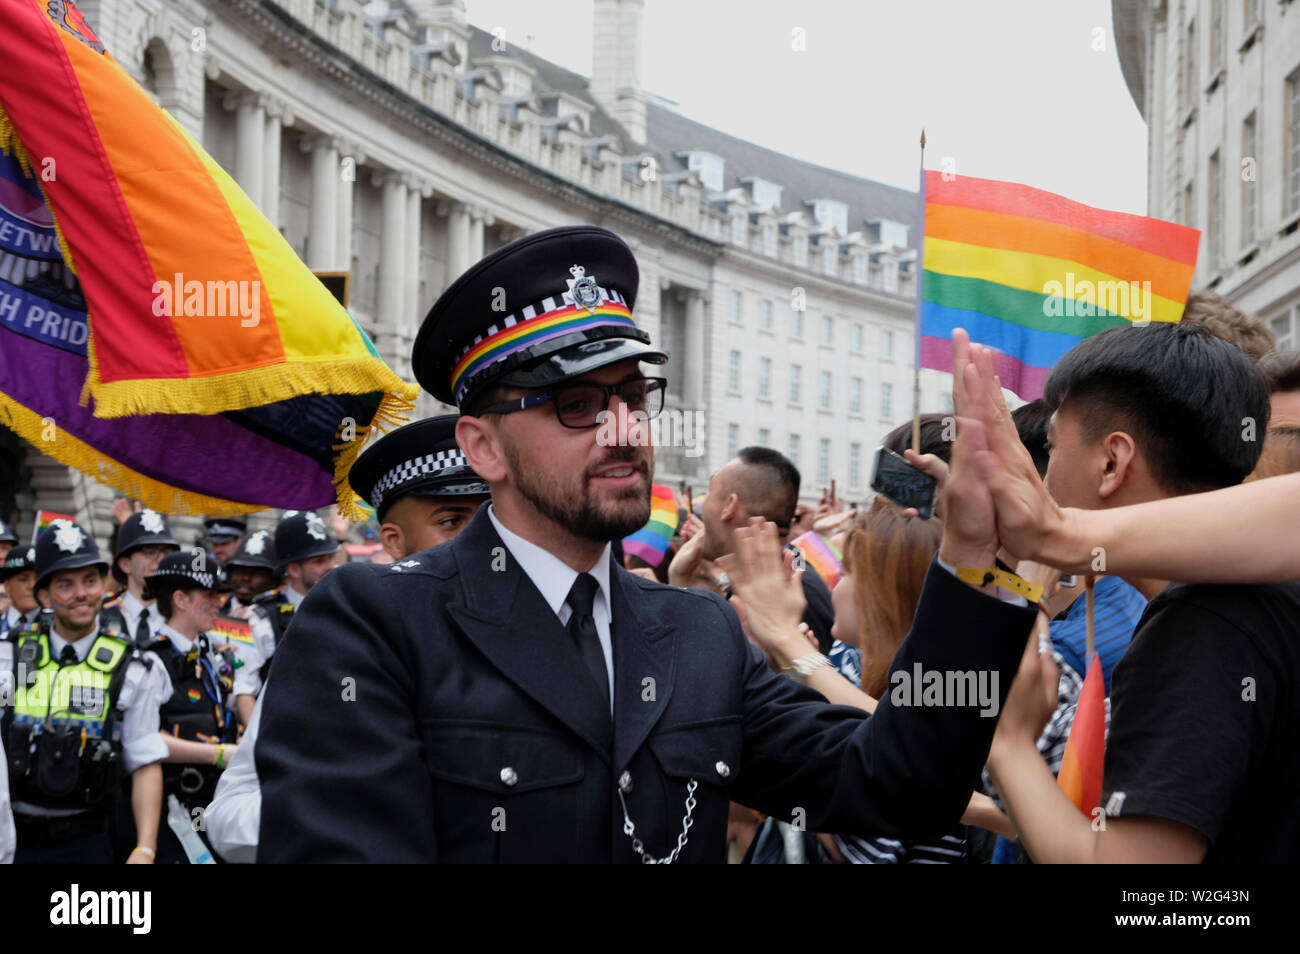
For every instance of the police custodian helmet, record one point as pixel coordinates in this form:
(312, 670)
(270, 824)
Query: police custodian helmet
(141, 529)
(421, 459)
(63, 545)
(301, 535)
(543, 309)
(255, 550)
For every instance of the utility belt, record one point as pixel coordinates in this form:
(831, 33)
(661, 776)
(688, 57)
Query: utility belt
(43, 831)
(63, 763)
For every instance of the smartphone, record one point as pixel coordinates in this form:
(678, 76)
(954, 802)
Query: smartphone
(895, 479)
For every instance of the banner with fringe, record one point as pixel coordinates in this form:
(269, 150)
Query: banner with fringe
(156, 330)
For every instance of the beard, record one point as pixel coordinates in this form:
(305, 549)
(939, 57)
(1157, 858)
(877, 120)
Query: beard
(575, 510)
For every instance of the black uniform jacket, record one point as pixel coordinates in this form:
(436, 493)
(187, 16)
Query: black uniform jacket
(436, 710)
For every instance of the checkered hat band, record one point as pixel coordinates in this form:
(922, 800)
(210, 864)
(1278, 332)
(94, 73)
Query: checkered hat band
(443, 462)
(532, 326)
(225, 529)
(204, 579)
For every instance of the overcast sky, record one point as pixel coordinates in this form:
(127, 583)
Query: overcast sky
(1010, 89)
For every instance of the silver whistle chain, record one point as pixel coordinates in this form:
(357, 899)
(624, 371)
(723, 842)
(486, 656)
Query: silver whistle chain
(687, 821)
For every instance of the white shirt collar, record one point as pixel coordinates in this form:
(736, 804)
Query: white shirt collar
(551, 575)
(179, 640)
(80, 647)
(293, 595)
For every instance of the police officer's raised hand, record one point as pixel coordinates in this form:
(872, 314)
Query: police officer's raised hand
(970, 537)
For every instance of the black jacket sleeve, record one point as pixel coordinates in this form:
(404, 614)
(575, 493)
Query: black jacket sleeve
(906, 772)
(339, 730)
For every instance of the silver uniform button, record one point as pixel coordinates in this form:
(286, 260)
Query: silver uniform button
(723, 769)
(509, 776)
(625, 782)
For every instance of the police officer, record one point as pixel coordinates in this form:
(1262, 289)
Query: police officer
(424, 493)
(252, 573)
(18, 574)
(198, 721)
(142, 540)
(224, 533)
(82, 709)
(8, 539)
(528, 699)
(304, 549)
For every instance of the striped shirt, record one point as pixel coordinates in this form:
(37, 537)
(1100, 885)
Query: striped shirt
(1116, 612)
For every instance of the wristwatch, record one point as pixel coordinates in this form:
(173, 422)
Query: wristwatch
(805, 666)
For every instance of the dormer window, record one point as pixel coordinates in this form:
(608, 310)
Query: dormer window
(707, 166)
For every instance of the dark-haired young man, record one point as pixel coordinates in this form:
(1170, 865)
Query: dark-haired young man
(1205, 715)
(1282, 372)
(760, 482)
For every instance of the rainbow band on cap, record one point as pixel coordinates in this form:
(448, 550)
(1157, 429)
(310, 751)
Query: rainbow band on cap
(532, 331)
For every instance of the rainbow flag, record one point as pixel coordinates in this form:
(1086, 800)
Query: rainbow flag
(1085, 750)
(46, 517)
(822, 554)
(156, 330)
(650, 543)
(228, 630)
(1032, 274)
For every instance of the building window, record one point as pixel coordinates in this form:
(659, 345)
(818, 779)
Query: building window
(1292, 180)
(855, 395)
(794, 450)
(733, 371)
(824, 390)
(1216, 37)
(796, 324)
(824, 462)
(764, 377)
(1215, 223)
(1285, 329)
(1189, 67)
(828, 330)
(769, 239)
(764, 437)
(890, 279)
(765, 315)
(860, 269)
(855, 465)
(737, 307)
(796, 384)
(801, 250)
(886, 343)
(733, 440)
(855, 339)
(739, 231)
(886, 400)
(1249, 194)
(830, 259)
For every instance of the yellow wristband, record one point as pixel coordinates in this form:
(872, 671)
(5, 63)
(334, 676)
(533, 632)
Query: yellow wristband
(146, 849)
(1008, 581)
(221, 755)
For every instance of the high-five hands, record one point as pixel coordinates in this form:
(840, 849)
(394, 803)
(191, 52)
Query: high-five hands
(767, 591)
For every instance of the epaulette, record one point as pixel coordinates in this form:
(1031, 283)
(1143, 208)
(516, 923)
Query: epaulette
(113, 602)
(270, 596)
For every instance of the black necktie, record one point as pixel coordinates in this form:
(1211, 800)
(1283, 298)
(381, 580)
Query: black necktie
(68, 657)
(142, 634)
(583, 630)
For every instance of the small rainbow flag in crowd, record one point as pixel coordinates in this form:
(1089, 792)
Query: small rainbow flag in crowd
(1084, 760)
(194, 695)
(1031, 274)
(184, 353)
(227, 629)
(824, 556)
(650, 543)
(46, 517)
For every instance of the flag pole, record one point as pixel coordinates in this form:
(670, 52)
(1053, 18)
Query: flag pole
(1089, 582)
(920, 279)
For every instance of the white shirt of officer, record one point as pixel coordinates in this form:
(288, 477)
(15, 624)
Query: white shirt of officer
(248, 679)
(131, 608)
(144, 690)
(554, 578)
(235, 814)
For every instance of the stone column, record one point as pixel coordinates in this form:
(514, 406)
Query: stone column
(350, 160)
(390, 295)
(411, 309)
(322, 223)
(476, 218)
(693, 360)
(276, 119)
(250, 140)
(458, 259)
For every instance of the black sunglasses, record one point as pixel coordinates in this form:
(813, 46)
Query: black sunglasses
(580, 405)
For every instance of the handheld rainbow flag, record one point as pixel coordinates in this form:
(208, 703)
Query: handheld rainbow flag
(823, 555)
(1084, 760)
(46, 517)
(650, 543)
(228, 629)
(1032, 274)
(170, 335)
